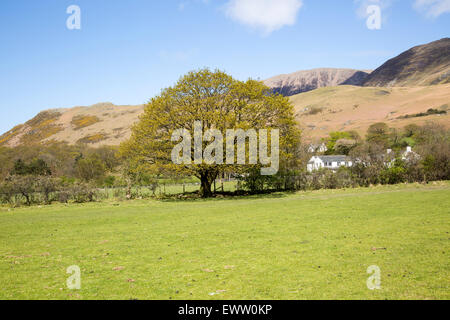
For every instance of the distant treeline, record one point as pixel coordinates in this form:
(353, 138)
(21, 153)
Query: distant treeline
(429, 112)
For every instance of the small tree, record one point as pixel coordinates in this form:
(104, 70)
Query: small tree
(39, 167)
(46, 186)
(24, 186)
(20, 168)
(378, 133)
(90, 169)
(7, 192)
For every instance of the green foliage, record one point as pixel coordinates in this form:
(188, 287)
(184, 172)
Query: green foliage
(218, 101)
(394, 174)
(334, 137)
(37, 167)
(429, 112)
(90, 169)
(58, 160)
(109, 181)
(411, 130)
(378, 133)
(342, 142)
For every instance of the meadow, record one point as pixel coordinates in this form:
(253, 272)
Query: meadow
(305, 245)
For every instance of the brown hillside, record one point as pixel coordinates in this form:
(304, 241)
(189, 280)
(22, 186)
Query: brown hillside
(423, 65)
(346, 108)
(100, 124)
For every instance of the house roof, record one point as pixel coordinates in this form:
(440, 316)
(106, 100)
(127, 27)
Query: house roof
(334, 158)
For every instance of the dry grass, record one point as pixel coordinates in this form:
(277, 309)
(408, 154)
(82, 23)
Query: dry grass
(356, 108)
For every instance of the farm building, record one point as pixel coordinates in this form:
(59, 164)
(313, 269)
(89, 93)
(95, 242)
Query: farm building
(328, 162)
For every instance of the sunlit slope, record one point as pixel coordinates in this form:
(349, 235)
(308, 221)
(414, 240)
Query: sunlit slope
(355, 108)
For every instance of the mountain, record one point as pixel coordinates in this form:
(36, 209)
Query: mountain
(423, 65)
(346, 108)
(307, 80)
(319, 112)
(411, 88)
(100, 124)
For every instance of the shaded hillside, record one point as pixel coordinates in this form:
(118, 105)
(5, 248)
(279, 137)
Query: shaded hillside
(423, 65)
(100, 124)
(307, 80)
(347, 108)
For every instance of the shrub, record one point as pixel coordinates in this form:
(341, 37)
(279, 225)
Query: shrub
(314, 110)
(81, 121)
(90, 169)
(24, 186)
(393, 175)
(82, 192)
(46, 186)
(7, 192)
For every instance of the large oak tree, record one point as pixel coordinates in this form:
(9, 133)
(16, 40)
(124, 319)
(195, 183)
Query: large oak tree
(219, 102)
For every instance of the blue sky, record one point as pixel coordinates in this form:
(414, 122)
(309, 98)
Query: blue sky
(126, 51)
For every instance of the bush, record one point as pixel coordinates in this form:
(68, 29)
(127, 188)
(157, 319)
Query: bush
(7, 193)
(46, 186)
(90, 169)
(393, 175)
(25, 187)
(63, 196)
(82, 192)
(109, 181)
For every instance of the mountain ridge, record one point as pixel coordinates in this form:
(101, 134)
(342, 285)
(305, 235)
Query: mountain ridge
(307, 80)
(325, 99)
(427, 64)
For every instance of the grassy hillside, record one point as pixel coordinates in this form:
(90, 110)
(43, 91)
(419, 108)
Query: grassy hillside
(100, 124)
(355, 108)
(319, 112)
(315, 245)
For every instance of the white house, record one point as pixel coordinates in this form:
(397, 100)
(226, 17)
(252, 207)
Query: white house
(409, 154)
(328, 162)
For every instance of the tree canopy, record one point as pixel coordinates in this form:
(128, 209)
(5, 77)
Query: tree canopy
(217, 101)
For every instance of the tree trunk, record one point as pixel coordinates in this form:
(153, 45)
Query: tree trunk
(205, 187)
(207, 178)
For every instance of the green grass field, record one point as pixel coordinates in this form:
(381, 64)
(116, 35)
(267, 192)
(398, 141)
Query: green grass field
(314, 245)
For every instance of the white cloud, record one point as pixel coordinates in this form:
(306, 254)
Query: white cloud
(265, 15)
(432, 8)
